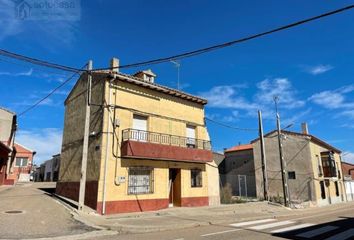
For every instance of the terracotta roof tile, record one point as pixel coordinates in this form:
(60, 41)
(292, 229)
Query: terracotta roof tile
(22, 149)
(240, 148)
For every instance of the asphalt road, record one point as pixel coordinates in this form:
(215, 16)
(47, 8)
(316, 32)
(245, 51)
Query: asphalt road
(26, 211)
(333, 224)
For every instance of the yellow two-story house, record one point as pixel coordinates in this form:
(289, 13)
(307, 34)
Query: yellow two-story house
(148, 147)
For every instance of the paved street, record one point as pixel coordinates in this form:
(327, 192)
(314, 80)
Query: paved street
(33, 214)
(324, 223)
(41, 216)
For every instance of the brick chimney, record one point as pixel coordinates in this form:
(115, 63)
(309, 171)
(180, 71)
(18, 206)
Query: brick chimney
(304, 128)
(114, 65)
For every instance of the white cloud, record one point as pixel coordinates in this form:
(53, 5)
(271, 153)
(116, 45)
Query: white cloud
(348, 157)
(319, 69)
(47, 102)
(280, 87)
(46, 142)
(328, 99)
(333, 99)
(348, 113)
(227, 97)
(231, 97)
(27, 73)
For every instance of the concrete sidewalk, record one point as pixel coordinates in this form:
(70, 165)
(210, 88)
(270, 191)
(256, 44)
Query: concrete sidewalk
(179, 218)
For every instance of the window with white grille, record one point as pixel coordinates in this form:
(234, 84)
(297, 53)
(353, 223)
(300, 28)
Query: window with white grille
(21, 162)
(140, 180)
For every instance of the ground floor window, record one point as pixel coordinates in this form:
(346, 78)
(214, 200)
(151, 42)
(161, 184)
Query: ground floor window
(196, 178)
(140, 180)
(337, 188)
(21, 162)
(323, 192)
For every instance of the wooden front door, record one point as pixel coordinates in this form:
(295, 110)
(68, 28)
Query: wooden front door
(175, 186)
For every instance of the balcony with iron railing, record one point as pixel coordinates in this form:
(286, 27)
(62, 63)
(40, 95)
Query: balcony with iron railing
(161, 146)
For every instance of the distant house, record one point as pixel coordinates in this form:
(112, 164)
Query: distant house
(348, 170)
(313, 168)
(238, 171)
(15, 159)
(21, 167)
(51, 169)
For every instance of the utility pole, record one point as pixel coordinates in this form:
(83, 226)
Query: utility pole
(86, 139)
(284, 176)
(263, 157)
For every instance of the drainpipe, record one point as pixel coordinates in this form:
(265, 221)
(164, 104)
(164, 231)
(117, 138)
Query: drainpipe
(114, 65)
(107, 150)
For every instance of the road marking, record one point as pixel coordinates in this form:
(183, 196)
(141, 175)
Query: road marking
(271, 225)
(288, 229)
(241, 224)
(343, 235)
(315, 232)
(216, 233)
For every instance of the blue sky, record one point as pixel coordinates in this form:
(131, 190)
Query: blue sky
(310, 67)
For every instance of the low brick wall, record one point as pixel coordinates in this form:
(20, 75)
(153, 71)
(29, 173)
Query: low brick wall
(133, 206)
(194, 201)
(71, 190)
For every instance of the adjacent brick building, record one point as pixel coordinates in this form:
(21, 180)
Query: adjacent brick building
(348, 170)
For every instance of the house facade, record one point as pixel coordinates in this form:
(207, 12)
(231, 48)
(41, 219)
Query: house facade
(21, 165)
(348, 170)
(50, 170)
(313, 168)
(238, 170)
(15, 159)
(149, 147)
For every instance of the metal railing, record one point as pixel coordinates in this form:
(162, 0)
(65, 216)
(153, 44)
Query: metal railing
(165, 139)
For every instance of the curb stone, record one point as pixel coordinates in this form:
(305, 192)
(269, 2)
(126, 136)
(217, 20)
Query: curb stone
(92, 234)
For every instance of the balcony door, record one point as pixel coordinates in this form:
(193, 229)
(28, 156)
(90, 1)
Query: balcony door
(190, 136)
(139, 132)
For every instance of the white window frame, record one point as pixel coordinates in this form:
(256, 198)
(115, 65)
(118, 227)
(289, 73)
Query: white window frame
(191, 141)
(21, 162)
(138, 133)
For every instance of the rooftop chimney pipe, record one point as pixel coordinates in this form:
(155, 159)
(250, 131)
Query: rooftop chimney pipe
(114, 64)
(305, 129)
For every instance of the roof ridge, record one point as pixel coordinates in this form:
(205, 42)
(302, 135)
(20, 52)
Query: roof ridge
(161, 86)
(16, 143)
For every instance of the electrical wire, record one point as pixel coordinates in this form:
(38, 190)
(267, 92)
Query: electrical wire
(50, 93)
(44, 63)
(231, 127)
(38, 61)
(37, 68)
(228, 44)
